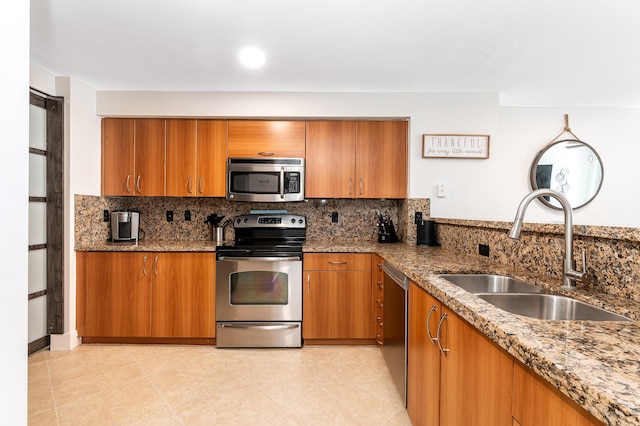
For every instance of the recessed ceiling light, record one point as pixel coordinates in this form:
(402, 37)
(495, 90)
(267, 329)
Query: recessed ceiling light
(252, 57)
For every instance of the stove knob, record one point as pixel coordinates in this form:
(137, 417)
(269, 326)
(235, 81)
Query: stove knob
(246, 220)
(293, 221)
(238, 221)
(300, 221)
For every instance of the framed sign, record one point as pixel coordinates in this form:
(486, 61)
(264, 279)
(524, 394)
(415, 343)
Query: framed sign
(455, 146)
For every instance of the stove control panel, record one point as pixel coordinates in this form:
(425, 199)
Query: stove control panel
(270, 221)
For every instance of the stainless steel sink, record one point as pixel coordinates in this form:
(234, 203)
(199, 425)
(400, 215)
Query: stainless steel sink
(550, 307)
(483, 283)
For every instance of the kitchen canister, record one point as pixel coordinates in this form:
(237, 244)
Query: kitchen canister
(218, 234)
(427, 233)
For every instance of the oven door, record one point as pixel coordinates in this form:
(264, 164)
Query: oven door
(258, 289)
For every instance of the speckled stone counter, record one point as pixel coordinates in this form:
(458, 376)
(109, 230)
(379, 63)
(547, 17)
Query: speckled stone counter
(597, 364)
(150, 245)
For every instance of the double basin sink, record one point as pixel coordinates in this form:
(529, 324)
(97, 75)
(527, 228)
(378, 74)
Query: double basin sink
(521, 298)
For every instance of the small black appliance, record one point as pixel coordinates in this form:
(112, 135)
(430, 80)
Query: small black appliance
(427, 233)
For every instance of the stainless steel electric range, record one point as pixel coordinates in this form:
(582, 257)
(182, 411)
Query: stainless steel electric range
(259, 282)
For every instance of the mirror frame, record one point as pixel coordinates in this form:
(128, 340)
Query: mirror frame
(534, 164)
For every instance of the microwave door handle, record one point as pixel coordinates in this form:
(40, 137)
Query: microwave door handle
(282, 183)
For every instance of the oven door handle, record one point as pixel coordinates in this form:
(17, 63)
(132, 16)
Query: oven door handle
(260, 327)
(259, 259)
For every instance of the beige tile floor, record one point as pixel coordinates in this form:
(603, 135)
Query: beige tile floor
(203, 385)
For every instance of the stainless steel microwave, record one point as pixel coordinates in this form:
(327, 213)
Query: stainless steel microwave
(265, 179)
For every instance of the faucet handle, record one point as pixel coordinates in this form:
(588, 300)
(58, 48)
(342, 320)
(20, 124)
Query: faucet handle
(586, 278)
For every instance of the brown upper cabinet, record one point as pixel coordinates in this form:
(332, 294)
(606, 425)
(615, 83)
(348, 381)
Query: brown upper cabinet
(266, 138)
(118, 174)
(150, 157)
(356, 159)
(196, 155)
(133, 156)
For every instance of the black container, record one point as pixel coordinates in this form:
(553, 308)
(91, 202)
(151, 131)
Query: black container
(427, 233)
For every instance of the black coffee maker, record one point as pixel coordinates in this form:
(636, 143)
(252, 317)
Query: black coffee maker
(427, 233)
(386, 231)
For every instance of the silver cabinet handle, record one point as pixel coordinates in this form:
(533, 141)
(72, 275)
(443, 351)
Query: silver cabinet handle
(189, 186)
(379, 302)
(144, 264)
(361, 186)
(350, 186)
(201, 184)
(127, 183)
(428, 322)
(138, 184)
(335, 262)
(380, 285)
(266, 153)
(378, 339)
(155, 266)
(438, 338)
(308, 284)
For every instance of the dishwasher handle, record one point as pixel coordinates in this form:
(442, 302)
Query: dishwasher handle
(395, 274)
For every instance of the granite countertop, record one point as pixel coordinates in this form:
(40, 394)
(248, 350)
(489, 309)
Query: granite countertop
(597, 364)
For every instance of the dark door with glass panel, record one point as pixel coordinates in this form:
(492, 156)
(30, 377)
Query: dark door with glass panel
(46, 222)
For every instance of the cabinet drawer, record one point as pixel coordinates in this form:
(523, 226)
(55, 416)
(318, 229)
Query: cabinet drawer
(337, 262)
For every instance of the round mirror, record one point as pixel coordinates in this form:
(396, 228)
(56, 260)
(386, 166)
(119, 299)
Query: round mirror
(570, 167)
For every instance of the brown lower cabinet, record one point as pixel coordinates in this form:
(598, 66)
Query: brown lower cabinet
(468, 382)
(472, 381)
(146, 294)
(336, 296)
(538, 403)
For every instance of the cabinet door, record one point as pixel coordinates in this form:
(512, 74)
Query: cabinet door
(117, 156)
(530, 393)
(423, 385)
(337, 305)
(183, 295)
(181, 158)
(212, 158)
(331, 159)
(266, 138)
(118, 294)
(150, 155)
(381, 159)
(475, 377)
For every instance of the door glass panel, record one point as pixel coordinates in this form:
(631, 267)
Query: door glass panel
(37, 318)
(37, 175)
(37, 270)
(37, 223)
(37, 127)
(259, 288)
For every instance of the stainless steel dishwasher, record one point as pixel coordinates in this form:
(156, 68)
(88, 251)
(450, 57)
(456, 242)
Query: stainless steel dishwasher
(394, 341)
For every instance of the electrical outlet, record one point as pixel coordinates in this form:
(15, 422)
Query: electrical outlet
(417, 217)
(169, 215)
(334, 217)
(187, 215)
(483, 250)
(105, 215)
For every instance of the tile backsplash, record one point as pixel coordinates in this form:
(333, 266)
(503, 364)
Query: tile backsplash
(356, 218)
(612, 254)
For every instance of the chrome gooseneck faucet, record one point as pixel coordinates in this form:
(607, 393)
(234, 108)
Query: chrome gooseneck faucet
(569, 273)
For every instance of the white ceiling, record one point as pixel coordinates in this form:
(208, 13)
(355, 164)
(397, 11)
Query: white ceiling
(531, 52)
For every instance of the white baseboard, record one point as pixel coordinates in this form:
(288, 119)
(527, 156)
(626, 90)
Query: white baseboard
(64, 342)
